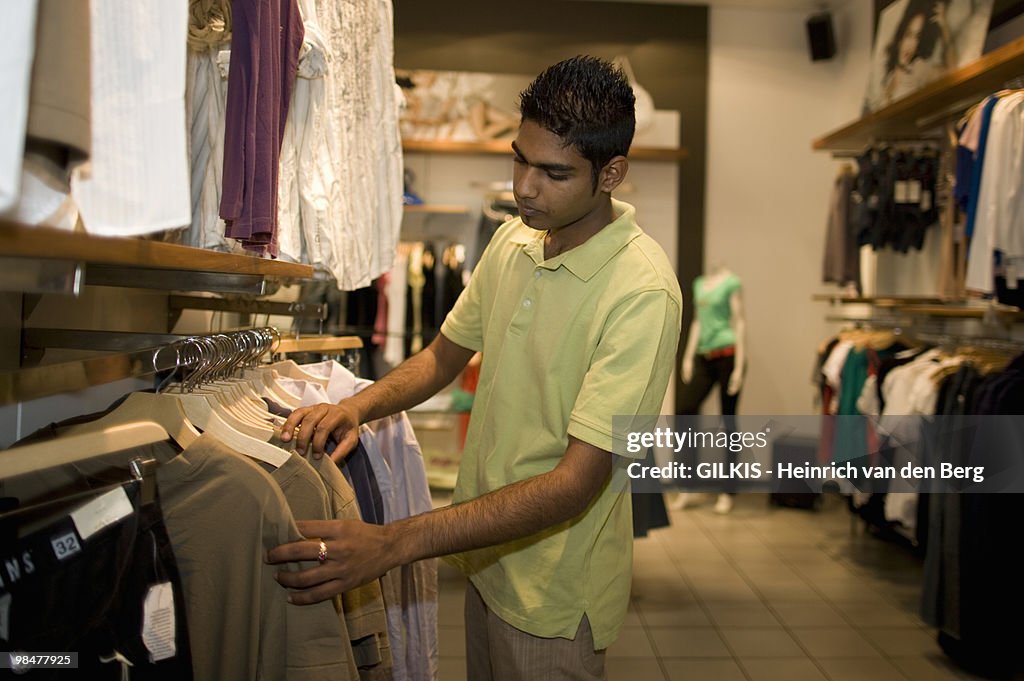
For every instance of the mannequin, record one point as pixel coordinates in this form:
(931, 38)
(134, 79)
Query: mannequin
(715, 354)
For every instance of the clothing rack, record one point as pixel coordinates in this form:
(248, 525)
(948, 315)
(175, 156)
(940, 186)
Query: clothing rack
(131, 355)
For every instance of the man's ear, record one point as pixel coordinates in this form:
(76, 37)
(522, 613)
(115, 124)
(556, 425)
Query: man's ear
(613, 173)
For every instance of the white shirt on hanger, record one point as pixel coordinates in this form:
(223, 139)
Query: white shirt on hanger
(999, 223)
(137, 181)
(17, 47)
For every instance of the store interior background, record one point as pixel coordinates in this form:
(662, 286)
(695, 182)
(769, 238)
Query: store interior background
(750, 194)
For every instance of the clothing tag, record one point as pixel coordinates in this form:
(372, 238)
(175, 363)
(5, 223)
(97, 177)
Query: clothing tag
(104, 510)
(1011, 274)
(914, 191)
(158, 622)
(926, 200)
(900, 192)
(65, 546)
(5, 617)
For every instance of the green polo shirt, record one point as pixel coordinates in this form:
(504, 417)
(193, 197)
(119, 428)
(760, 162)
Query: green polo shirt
(567, 343)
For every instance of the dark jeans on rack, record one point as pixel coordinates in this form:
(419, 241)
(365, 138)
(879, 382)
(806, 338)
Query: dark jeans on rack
(93, 595)
(707, 373)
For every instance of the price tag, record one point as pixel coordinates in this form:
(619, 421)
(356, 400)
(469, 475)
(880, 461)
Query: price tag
(914, 191)
(901, 191)
(158, 622)
(102, 511)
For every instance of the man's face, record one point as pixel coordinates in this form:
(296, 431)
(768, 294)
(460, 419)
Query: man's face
(552, 184)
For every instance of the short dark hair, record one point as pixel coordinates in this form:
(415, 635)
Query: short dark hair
(589, 103)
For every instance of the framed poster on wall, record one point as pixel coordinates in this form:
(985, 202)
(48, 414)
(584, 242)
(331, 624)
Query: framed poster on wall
(918, 41)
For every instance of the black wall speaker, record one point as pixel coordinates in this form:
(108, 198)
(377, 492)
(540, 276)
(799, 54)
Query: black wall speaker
(820, 37)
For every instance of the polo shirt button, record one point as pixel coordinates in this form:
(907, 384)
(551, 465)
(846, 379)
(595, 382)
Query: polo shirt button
(527, 303)
(536, 274)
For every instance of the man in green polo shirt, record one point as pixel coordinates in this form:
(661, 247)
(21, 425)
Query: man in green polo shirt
(576, 312)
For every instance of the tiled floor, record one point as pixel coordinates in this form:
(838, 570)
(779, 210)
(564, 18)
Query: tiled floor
(763, 594)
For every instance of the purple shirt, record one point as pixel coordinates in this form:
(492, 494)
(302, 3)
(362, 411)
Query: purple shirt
(266, 37)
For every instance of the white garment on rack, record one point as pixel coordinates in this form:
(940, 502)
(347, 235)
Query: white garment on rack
(137, 181)
(362, 139)
(17, 47)
(394, 346)
(305, 211)
(999, 223)
(832, 369)
(206, 91)
(397, 462)
(307, 392)
(398, 445)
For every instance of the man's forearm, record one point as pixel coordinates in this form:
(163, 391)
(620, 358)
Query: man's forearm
(413, 381)
(512, 512)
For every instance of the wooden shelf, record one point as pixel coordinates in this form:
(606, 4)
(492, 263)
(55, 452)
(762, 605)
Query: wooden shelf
(962, 312)
(503, 148)
(319, 344)
(437, 209)
(910, 116)
(878, 301)
(42, 242)
(928, 306)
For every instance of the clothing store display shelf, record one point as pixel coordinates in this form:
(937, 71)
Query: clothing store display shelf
(318, 344)
(21, 241)
(911, 117)
(437, 209)
(502, 147)
(928, 306)
(878, 301)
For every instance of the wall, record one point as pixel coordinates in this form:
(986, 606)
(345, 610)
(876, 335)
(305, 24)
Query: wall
(767, 192)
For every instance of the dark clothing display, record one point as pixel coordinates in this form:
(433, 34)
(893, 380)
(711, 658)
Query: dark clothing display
(707, 373)
(95, 595)
(893, 198)
(842, 252)
(649, 512)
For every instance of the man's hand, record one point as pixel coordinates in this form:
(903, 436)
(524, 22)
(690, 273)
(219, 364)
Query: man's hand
(313, 425)
(357, 553)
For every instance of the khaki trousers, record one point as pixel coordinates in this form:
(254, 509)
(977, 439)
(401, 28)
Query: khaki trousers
(497, 651)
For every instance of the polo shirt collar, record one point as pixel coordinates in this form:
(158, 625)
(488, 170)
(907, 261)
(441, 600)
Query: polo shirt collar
(588, 258)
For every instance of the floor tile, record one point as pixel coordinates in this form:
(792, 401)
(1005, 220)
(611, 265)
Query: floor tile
(451, 669)
(632, 643)
(451, 607)
(626, 669)
(655, 614)
(688, 642)
(860, 669)
(700, 670)
(451, 641)
(807, 614)
(866, 615)
(927, 668)
(786, 669)
(822, 642)
(787, 590)
(730, 614)
(903, 642)
(761, 642)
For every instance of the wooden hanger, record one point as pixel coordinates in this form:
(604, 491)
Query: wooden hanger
(141, 408)
(86, 445)
(290, 369)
